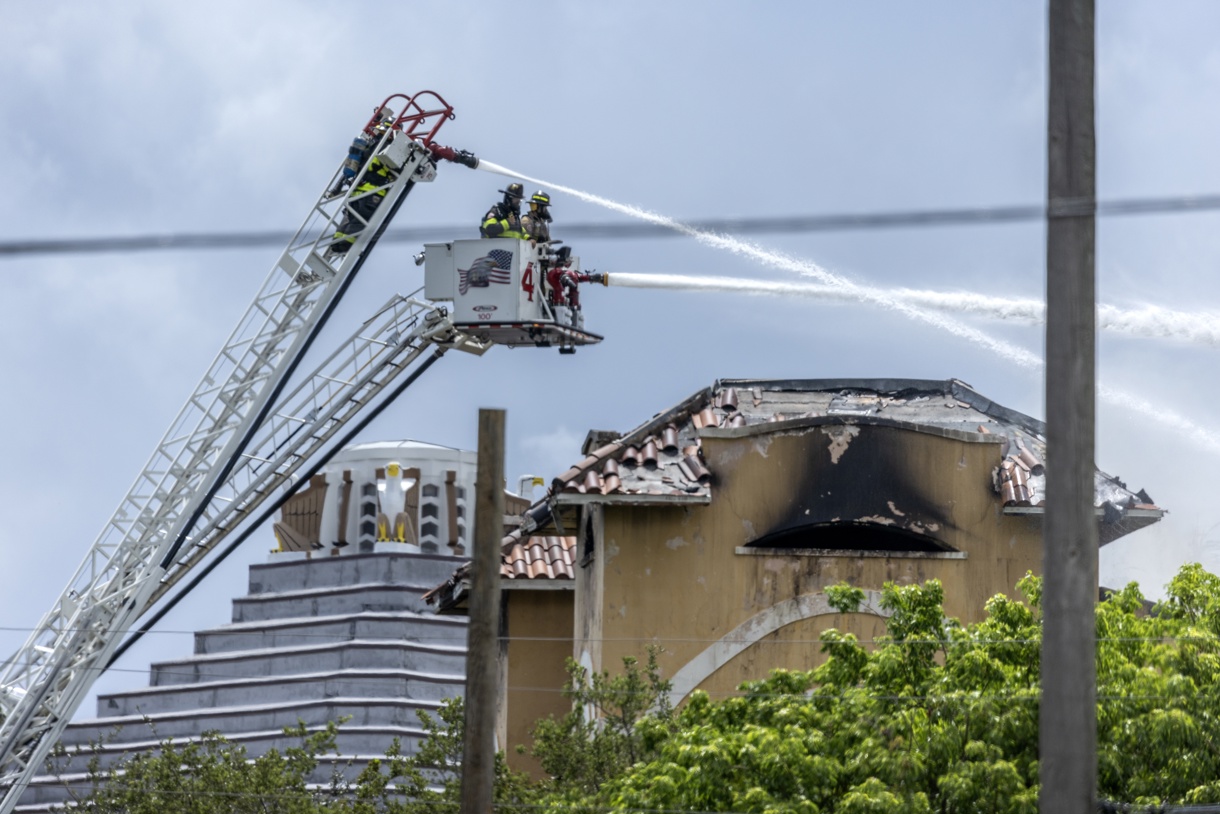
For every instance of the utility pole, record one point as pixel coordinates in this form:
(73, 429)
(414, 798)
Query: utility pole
(482, 647)
(1068, 725)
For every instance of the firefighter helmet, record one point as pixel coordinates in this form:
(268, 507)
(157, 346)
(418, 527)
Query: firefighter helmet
(541, 198)
(514, 191)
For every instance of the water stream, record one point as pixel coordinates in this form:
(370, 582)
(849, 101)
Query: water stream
(847, 289)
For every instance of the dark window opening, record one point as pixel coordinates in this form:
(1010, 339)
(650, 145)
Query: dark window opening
(588, 543)
(429, 510)
(429, 529)
(368, 490)
(431, 490)
(368, 528)
(851, 537)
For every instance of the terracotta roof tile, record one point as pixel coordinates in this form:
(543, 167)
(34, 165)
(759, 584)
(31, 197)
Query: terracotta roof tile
(648, 455)
(541, 558)
(669, 440)
(726, 399)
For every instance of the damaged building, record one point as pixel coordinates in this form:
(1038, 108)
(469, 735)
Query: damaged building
(715, 528)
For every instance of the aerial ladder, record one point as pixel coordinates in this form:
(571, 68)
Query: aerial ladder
(244, 435)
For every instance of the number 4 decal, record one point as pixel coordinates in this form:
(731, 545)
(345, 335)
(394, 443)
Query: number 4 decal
(527, 281)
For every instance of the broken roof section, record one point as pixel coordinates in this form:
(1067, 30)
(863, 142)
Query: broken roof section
(661, 461)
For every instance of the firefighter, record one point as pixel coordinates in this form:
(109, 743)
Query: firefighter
(375, 180)
(536, 222)
(359, 210)
(361, 146)
(562, 280)
(504, 218)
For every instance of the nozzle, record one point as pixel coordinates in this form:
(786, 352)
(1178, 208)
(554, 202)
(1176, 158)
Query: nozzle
(599, 277)
(464, 157)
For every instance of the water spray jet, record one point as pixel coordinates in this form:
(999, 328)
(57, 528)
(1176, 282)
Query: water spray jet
(1019, 356)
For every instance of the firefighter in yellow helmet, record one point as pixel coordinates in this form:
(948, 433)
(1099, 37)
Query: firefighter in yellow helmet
(536, 222)
(504, 218)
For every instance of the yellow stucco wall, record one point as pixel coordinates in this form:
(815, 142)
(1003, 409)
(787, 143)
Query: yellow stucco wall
(672, 575)
(539, 626)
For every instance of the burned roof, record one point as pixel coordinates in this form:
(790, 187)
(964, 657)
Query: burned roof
(662, 461)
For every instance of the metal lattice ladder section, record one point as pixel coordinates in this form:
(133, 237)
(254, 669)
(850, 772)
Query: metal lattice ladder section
(44, 682)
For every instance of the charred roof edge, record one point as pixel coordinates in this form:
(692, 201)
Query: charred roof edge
(874, 421)
(954, 387)
(966, 393)
(819, 385)
(683, 407)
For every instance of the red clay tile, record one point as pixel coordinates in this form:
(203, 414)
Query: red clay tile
(648, 455)
(727, 399)
(698, 470)
(669, 440)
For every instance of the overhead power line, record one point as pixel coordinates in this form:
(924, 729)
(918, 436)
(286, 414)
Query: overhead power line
(795, 224)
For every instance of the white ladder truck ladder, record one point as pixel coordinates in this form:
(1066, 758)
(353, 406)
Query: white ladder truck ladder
(42, 685)
(359, 371)
(344, 392)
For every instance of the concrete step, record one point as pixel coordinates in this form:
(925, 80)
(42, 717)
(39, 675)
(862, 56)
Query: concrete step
(330, 601)
(48, 793)
(249, 718)
(424, 571)
(282, 661)
(422, 628)
(366, 740)
(396, 683)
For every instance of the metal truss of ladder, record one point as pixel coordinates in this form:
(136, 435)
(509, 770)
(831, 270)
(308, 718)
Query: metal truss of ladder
(304, 421)
(45, 681)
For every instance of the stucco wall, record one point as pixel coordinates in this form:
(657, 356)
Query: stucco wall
(673, 575)
(539, 625)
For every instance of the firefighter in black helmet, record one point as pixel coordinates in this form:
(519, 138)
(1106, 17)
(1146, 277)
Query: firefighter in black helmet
(504, 218)
(536, 222)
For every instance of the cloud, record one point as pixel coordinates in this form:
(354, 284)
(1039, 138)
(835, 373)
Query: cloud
(553, 452)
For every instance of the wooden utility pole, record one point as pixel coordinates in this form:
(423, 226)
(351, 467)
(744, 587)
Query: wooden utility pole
(482, 647)
(1068, 726)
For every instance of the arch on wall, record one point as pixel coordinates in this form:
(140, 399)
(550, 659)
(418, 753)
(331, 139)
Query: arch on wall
(749, 632)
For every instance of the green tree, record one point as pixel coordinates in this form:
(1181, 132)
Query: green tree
(215, 776)
(212, 775)
(615, 722)
(944, 717)
(937, 717)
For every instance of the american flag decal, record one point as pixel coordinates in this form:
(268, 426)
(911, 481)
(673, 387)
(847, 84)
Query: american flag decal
(493, 267)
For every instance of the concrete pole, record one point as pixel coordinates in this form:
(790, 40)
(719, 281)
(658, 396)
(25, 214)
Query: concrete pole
(1068, 726)
(482, 647)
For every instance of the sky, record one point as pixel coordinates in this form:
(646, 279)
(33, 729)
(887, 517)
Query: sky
(138, 118)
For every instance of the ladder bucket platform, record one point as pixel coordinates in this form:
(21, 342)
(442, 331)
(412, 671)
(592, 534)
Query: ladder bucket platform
(529, 334)
(503, 290)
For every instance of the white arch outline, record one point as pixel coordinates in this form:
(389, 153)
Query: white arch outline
(806, 606)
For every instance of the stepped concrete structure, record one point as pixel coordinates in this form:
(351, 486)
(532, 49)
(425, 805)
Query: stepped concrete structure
(333, 626)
